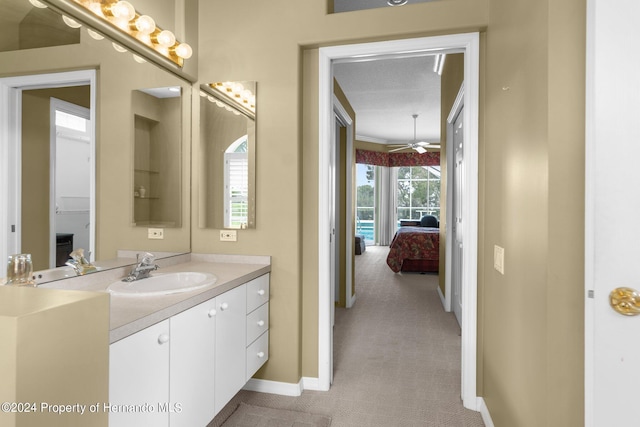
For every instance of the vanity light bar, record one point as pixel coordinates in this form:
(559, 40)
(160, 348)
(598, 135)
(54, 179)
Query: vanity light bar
(236, 92)
(123, 16)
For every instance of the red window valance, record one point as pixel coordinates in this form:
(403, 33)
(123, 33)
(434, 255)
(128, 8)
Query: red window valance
(377, 158)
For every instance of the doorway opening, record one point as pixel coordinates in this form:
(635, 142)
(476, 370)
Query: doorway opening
(459, 43)
(13, 158)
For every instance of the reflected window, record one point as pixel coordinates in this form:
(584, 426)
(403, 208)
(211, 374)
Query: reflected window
(236, 183)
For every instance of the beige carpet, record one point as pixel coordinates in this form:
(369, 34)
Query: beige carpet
(396, 357)
(259, 416)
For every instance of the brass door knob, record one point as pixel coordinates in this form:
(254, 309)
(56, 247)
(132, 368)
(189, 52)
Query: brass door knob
(625, 301)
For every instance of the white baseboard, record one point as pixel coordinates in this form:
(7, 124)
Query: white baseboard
(283, 389)
(310, 383)
(484, 411)
(274, 387)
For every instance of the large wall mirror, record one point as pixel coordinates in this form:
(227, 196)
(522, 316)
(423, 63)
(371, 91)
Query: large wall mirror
(73, 169)
(227, 155)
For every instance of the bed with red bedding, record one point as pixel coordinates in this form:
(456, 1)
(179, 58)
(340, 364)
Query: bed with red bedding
(415, 249)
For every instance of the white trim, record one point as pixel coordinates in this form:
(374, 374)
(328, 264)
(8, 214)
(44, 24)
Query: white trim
(10, 153)
(274, 387)
(469, 44)
(341, 112)
(310, 383)
(484, 411)
(589, 218)
(453, 113)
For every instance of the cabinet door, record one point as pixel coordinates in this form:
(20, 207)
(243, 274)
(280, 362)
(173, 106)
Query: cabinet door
(230, 365)
(139, 375)
(192, 366)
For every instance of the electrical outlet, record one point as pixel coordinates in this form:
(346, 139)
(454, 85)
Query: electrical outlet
(155, 233)
(498, 258)
(228, 236)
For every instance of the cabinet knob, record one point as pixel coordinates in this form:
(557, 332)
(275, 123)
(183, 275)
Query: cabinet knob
(224, 306)
(163, 338)
(261, 354)
(261, 292)
(260, 322)
(212, 312)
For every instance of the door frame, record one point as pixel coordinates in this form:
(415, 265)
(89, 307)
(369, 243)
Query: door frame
(467, 43)
(344, 117)
(448, 275)
(11, 153)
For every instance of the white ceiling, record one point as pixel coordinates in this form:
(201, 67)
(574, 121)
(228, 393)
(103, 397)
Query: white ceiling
(385, 93)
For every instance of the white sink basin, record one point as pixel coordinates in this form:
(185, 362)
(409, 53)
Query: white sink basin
(163, 284)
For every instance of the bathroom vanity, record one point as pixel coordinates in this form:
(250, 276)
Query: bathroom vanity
(176, 359)
(183, 370)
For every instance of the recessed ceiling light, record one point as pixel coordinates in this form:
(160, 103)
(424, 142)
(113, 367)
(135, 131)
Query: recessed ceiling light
(397, 2)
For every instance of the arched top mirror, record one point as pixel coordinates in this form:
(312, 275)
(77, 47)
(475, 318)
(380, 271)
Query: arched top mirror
(227, 155)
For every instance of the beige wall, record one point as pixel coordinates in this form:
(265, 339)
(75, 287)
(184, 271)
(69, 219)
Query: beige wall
(532, 205)
(524, 187)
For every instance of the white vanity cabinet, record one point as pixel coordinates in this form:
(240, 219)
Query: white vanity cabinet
(138, 378)
(184, 370)
(230, 345)
(191, 371)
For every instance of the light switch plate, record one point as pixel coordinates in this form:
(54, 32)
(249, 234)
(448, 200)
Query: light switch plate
(498, 258)
(228, 236)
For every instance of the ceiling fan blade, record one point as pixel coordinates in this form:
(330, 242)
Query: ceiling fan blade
(404, 147)
(420, 149)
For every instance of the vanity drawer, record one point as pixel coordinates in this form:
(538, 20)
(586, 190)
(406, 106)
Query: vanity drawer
(257, 354)
(257, 323)
(257, 292)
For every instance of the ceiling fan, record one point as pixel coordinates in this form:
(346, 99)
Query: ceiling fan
(419, 146)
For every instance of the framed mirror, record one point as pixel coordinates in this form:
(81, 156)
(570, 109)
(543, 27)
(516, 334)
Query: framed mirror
(106, 78)
(227, 155)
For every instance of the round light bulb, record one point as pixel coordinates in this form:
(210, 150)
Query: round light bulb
(123, 10)
(38, 4)
(70, 22)
(94, 35)
(184, 51)
(145, 24)
(118, 47)
(166, 38)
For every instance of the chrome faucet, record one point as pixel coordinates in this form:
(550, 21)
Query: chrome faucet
(142, 269)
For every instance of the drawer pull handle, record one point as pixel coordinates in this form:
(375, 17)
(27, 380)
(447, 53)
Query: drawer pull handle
(260, 322)
(261, 354)
(163, 338)
(261, 292)
(212, 312)
(224, 306)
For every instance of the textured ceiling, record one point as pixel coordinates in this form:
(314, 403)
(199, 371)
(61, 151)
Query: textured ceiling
(386, 92)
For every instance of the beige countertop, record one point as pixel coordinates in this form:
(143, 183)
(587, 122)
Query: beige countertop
(130, 314)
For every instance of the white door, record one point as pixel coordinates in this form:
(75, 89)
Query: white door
(457, 227)
(612, 252)
(70, 170)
